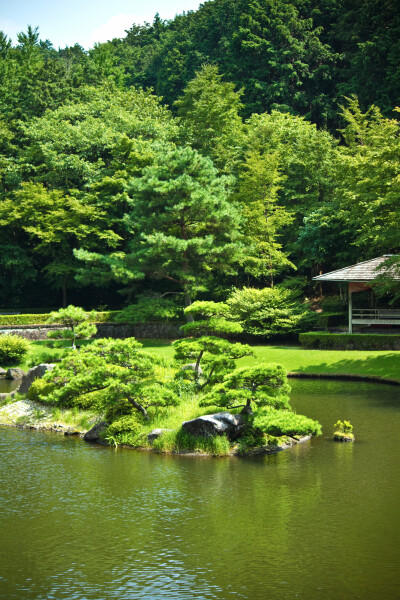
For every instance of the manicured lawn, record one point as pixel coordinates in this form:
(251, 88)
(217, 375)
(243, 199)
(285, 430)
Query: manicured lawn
(378, 363)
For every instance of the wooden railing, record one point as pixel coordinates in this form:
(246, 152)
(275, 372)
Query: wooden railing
(376, 315)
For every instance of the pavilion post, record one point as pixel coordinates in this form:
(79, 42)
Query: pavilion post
(350, 311)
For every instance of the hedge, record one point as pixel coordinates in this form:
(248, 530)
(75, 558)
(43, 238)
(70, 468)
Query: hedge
(101, 317)
(350, 341)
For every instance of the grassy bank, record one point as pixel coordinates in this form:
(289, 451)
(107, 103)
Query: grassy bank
(373, 363)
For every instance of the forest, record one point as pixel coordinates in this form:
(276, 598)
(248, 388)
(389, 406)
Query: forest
(248, 144)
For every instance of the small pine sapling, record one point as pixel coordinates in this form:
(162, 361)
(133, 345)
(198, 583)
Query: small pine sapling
(209, 356)
(76, 320)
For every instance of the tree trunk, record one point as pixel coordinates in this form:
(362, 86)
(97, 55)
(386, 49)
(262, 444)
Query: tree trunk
(247, 409)
(64, 292)
(138, 407)
(188, 302)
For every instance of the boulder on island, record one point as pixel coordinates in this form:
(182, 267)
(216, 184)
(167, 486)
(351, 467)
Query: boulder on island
(95, 434)
(223, 423)
(15, 373)
(32, 374)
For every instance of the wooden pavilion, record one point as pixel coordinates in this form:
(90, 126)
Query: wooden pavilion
(359, 278)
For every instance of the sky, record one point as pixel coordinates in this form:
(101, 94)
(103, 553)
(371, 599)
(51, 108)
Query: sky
(84, 22)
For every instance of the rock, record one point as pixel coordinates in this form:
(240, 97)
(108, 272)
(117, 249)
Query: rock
(216, 424)
(33, 374)
(192, 367)
(2, 372)
(156, 433)
(15, 373)
(94, 434)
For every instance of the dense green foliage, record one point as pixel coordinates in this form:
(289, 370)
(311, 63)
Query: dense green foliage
(12, 349)
(277, 422)
(269, 311)
(259, 386)
(208, 356)
(111, 375)
(343, 431)
(224, 148)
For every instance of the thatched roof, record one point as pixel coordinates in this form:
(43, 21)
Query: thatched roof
(361, 272)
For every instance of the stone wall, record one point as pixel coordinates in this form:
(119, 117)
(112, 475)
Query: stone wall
(112, 330)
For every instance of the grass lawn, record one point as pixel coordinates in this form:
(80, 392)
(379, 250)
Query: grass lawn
(377, 363)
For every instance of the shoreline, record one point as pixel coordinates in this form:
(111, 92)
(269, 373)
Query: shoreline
(21, 415)
(343, 377)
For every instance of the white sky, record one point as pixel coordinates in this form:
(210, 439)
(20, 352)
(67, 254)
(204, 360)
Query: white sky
(84, 22)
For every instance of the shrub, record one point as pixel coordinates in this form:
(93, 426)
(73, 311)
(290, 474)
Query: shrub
(12, 349)
(126, 423)
(349, 341)
(269, 311)
(40, 389)
(278, 422)
(110, 372)
(343, 431)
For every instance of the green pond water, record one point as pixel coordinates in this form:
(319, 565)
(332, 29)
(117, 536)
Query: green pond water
(8, 385)
(320, 521)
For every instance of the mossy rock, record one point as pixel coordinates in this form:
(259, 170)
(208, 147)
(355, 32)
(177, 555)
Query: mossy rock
(339, 436)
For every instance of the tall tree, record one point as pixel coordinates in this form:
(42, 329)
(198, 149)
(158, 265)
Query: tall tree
(369, 177)
(55, 224)
(181, 224)
(209, 109)
(264, 219)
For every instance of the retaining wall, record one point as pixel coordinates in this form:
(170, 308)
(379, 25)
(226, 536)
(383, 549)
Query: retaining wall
(104, 330)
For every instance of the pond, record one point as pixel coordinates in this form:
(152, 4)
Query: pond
(321, 520)
(8, 385)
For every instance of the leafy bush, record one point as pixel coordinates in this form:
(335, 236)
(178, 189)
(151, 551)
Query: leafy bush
(12, 349)
(349, 341)
(333, 304)
(269, 311)
(343, 431)
(40, 390)
(283, 422)
(126, 423)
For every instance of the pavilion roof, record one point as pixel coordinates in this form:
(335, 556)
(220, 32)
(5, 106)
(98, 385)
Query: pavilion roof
(362, 272)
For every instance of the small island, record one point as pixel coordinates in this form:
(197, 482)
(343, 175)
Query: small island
(198, 402)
